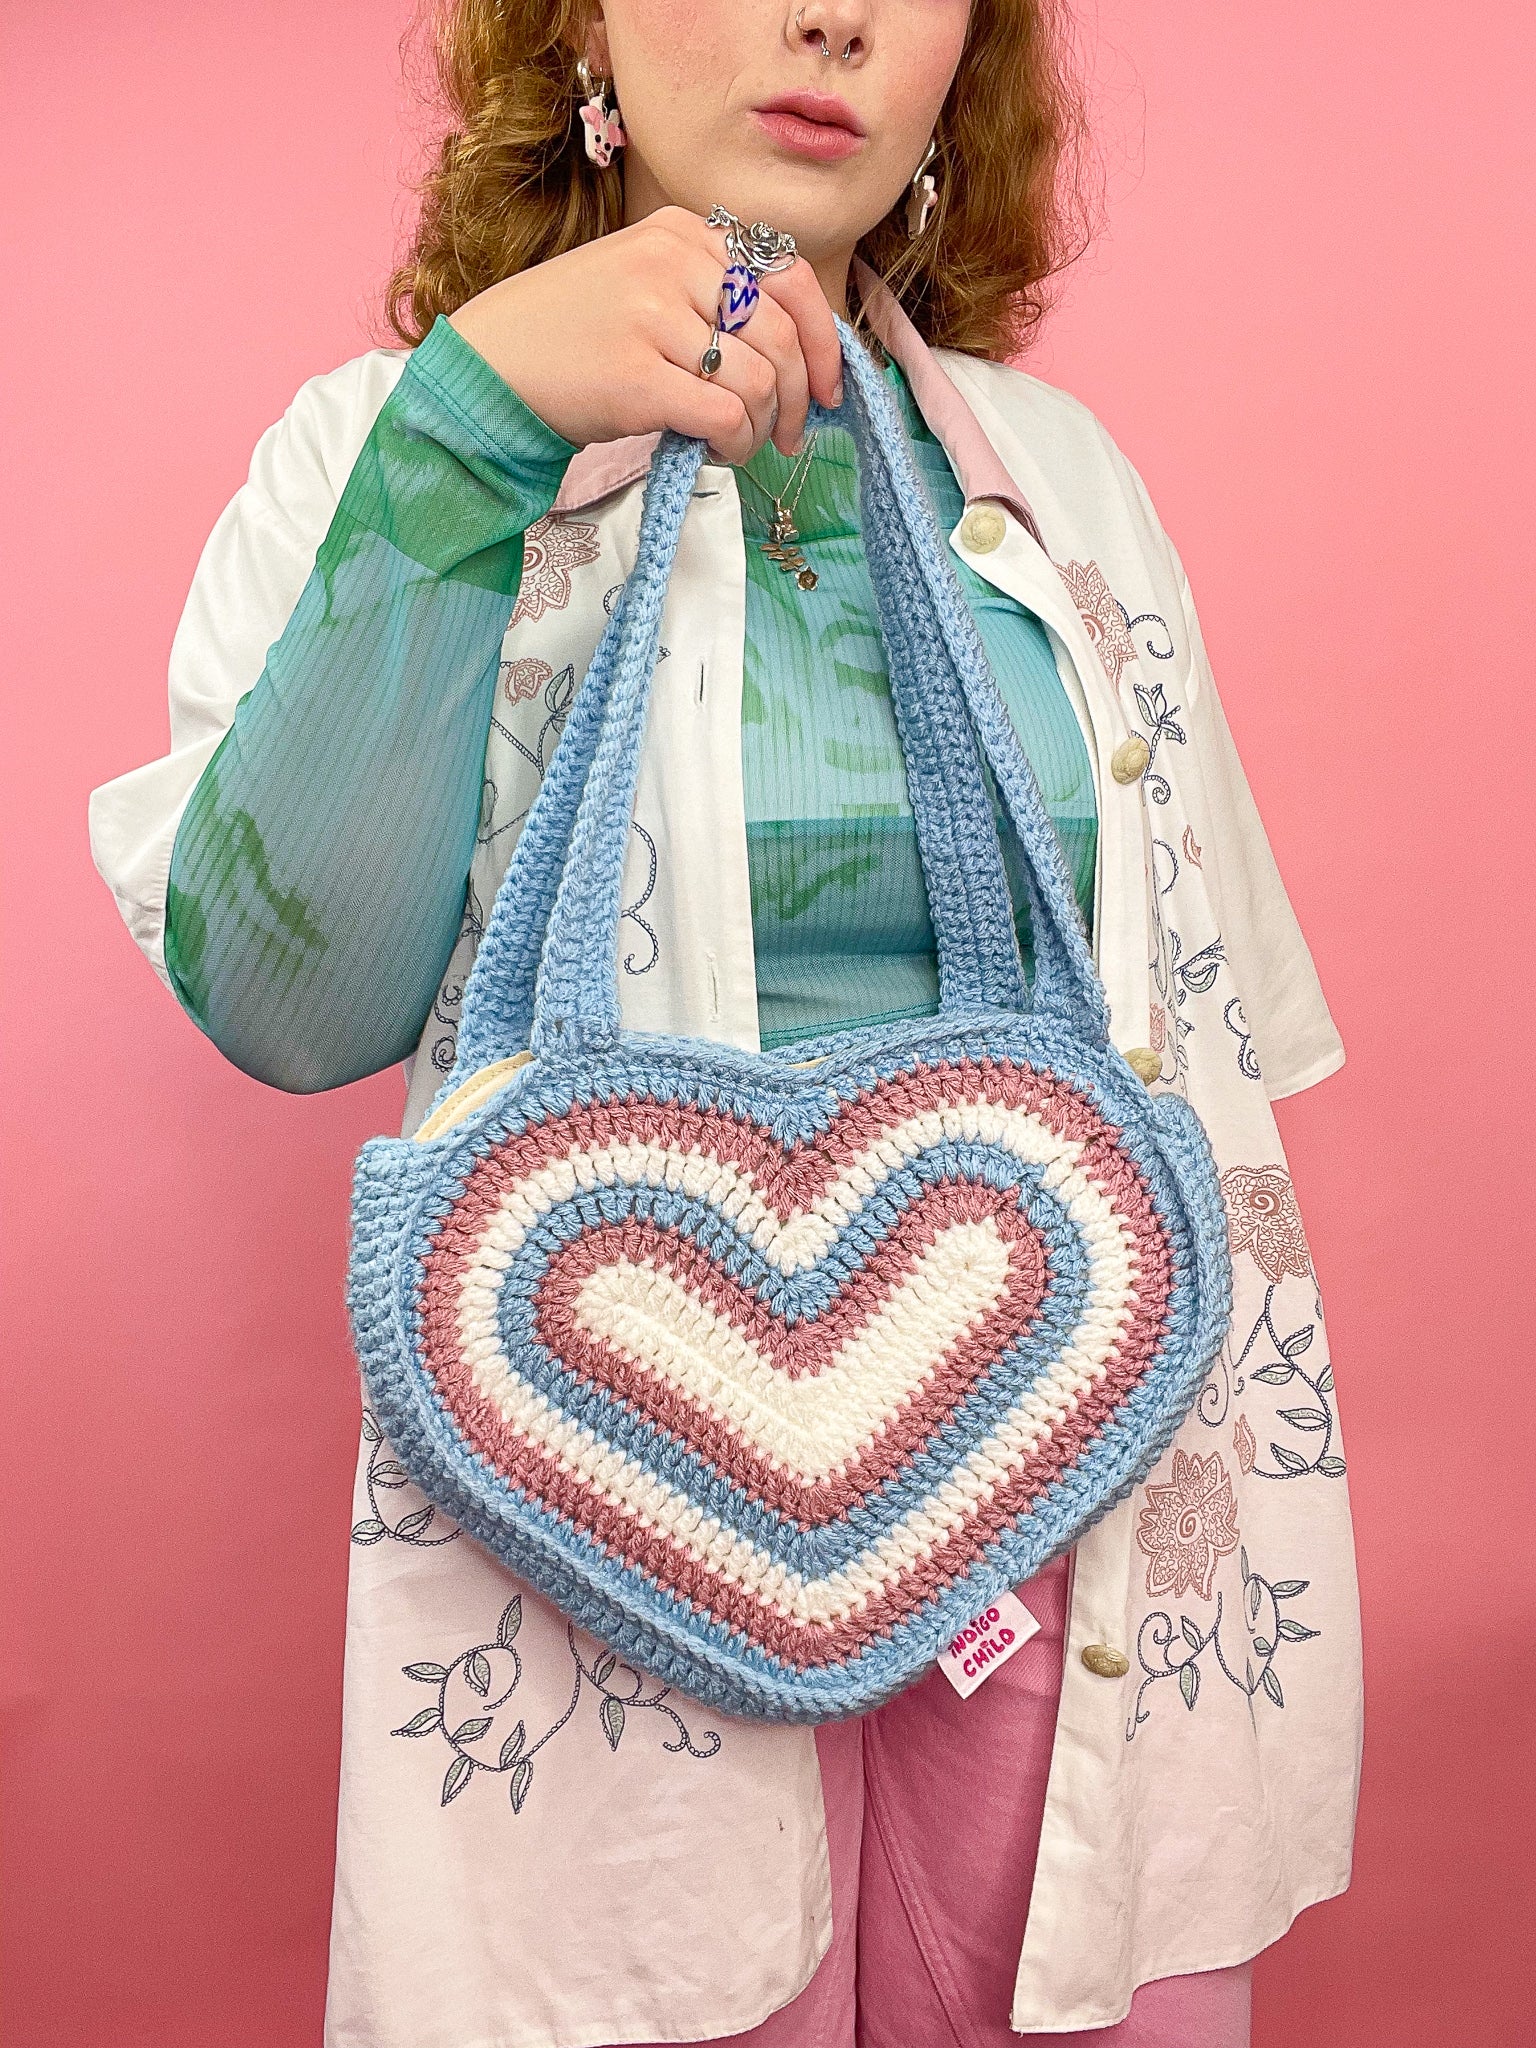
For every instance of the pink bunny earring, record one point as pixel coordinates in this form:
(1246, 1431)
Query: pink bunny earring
(604, 130)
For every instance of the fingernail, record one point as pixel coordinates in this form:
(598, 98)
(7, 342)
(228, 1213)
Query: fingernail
(837, 395)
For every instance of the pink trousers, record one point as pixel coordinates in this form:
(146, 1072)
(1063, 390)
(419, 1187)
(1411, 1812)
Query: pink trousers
(927, 1915)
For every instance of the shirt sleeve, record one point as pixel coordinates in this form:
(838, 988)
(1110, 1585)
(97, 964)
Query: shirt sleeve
(295, 866)
(1285, 1013)
(1294, 1035)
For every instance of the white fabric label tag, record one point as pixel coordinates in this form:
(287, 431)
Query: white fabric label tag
(986, 1642)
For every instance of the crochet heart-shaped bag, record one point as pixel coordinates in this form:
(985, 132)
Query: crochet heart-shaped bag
(773, 1369)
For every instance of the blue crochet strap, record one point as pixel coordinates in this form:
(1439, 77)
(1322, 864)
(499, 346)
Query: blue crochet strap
(921, 603)
(940, 672)
(577, 999)
(546, 971)
(496, 1017)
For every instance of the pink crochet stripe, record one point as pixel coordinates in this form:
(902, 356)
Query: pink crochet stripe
(799, 1351)
(864, 1120)
(803, 1349)
(619, 1530)
(624, 1536)
(789, 1178)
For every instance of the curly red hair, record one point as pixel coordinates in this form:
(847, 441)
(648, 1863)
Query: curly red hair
(511, 184)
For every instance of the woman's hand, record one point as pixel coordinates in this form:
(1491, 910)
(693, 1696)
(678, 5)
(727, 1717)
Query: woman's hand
(605, 341)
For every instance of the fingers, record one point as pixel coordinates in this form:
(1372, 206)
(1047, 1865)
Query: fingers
(797, 292)
(770, 331)
(745, 385)
(699, 407)
(774, 336)
(787, 352)
(748, 373)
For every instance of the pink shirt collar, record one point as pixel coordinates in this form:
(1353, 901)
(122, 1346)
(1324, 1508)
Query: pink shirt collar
(605, 466)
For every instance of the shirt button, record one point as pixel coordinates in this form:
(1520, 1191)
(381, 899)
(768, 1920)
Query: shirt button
(1130, 758)
(982, 529)
(1104, 1662)
(1144, 1063)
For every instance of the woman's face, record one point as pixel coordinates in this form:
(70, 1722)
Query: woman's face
(698, 83)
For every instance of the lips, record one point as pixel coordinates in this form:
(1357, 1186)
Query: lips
(823, 108)
(812, 124)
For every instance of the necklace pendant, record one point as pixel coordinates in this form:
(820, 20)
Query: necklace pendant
(782, 547)
(788, 559)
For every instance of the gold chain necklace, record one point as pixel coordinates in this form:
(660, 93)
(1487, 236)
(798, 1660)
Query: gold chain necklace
(781, 546)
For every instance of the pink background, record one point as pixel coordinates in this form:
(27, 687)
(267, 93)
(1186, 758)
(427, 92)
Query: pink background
(1310, 328)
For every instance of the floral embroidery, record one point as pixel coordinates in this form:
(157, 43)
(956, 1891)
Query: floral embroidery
(1161, 720)
(523, 679)
(1247, 1059)
(1263, 1219)
(632, 910)
(473, 1690)
(1312, 1420)
(385, 1475)
(1264, 1224)
(1102, 613)
(1188, 1526)
(1189, 1520)
(1197, 974)
(1156, 619)
(552, 548)
(559, 690)
(1164, 1652)
(449, 1000)
(1175, 978)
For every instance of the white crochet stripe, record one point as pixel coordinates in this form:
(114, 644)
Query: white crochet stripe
(612, 1475)
(813, 1425)
(800, 1239)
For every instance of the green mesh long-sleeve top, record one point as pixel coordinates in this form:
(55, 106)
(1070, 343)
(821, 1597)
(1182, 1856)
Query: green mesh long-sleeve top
(318, 874)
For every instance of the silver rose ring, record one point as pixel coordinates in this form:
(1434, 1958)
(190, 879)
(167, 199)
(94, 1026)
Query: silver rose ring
(754, 251)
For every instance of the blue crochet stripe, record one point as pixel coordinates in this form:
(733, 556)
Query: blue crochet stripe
(796, 1092)
(569, 1566)
(689, 1472)
(799, 1297)
(658, 1631)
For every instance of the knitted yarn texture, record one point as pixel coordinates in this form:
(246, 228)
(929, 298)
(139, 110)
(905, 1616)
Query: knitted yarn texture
(771, 1372)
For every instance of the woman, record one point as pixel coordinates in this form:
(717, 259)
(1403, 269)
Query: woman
(382, 641)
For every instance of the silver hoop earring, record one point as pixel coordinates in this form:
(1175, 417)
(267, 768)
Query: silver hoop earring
(923, 192)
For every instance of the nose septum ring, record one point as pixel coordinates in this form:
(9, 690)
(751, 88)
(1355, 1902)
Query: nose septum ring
(825, 49)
